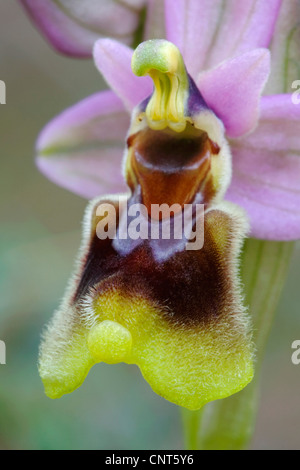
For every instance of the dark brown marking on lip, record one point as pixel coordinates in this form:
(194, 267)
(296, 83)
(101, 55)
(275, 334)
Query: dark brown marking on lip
(193, 287)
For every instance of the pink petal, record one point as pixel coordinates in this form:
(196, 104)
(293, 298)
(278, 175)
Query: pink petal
(82, 148)
(233, 90)
(266, 171)
(113, 60)
(72, 27)
(285, 50)
(210, 31)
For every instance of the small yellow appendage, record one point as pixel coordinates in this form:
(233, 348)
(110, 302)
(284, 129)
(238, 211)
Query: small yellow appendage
(109, 342)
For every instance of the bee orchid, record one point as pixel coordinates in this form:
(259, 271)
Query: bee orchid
(205, 134)
(177, 314)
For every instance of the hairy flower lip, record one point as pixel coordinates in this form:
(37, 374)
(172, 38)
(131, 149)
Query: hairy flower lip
(114, 315)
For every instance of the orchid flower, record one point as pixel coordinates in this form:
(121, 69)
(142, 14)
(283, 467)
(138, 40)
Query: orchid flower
(180, 317)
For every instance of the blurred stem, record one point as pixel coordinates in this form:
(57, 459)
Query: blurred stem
(229, 424)
(264, 269)
(191, 421)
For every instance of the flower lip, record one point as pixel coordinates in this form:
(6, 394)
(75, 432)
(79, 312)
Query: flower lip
(189, 338)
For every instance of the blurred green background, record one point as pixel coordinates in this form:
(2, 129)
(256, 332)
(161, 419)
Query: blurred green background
(40, 235)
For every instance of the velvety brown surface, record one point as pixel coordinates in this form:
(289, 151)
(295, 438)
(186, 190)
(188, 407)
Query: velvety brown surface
(194, 286)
